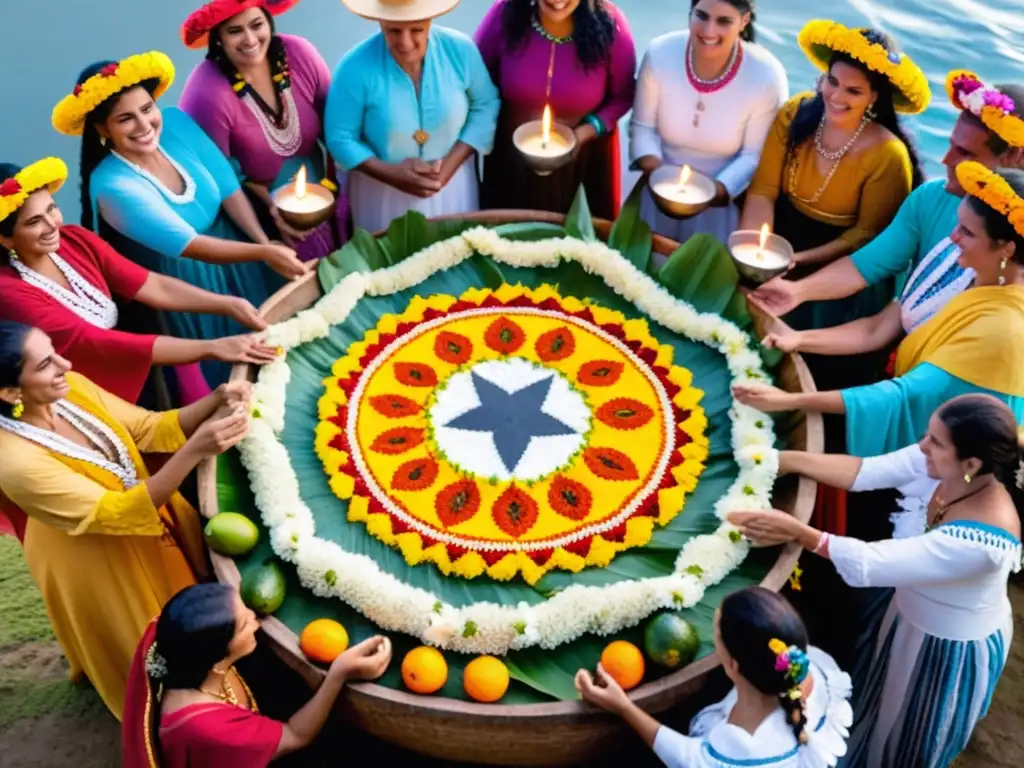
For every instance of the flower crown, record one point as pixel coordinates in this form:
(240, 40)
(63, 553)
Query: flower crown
(50, 172)
(821, 38)
(197, 27)
(994, 108)
(993, 190)
(156, 665)
(793, 661)
(70, 113)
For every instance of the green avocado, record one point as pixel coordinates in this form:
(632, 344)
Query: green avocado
(263, 590)
(670, 641)
(232, 534)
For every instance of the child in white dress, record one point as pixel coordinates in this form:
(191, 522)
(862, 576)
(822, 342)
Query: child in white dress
(789, 707)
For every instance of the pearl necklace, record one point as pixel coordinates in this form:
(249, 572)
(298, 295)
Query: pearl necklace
(90, 426)
(836, 156)
(715, 84)
(284, 140)
(84, 299)
(186, 197)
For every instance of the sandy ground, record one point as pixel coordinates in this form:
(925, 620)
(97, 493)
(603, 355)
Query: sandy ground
(46, 722)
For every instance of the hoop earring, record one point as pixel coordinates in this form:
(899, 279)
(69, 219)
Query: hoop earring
(1002, 268)
(967, 479)
(18, 410)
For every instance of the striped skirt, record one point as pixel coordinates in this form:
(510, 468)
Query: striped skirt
(918, 697)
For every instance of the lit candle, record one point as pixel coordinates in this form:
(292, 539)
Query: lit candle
(546, 142)
(298, 200)
(687, 188)
(760, 255)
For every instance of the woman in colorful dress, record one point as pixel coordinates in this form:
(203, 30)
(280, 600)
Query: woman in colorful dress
(578, 57)
(706, 98)
(260, 96)
(788, 707)
(409, 111)
(188, 707)
(971, 345)
(158, 189)
(838, 164)
(107, 543)
(941, 632)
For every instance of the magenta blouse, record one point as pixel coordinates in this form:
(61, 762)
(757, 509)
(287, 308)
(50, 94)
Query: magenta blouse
(521, 74)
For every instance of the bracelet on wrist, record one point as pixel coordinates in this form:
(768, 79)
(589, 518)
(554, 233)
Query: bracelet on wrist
(596, 123)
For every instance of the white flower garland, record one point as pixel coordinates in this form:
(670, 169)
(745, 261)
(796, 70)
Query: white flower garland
(329, 571)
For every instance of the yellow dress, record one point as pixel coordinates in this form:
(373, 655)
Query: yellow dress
(105, 559)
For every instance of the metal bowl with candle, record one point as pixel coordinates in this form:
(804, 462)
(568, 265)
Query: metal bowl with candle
(760, 256)
(544, 144)
(681, 193)
(302, 205)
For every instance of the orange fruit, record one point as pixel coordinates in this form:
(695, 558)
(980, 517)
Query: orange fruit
(424, 670)
(485, 679)
(323, 640)
(624, 662)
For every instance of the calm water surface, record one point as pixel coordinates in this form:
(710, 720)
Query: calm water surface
(47, 42)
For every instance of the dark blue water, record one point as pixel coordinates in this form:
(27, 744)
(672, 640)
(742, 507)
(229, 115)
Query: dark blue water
(47, 42)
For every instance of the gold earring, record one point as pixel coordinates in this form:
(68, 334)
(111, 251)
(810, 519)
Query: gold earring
(19, 409)
(967, 479)
(13, 254)
(1002, 268)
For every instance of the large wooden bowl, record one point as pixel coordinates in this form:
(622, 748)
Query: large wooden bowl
(558, 733)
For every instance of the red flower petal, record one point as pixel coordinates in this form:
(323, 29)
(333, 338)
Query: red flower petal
(415, 375)
(569, 498)
(624, 413)
(515, 512)
(457, 503)
(599, 373)
(609, 464)
(398, 440)
(394, 406)
(110, 70)
(10, 186)
(504, 336)
(453, 348)
(556, 345)
(415, 475)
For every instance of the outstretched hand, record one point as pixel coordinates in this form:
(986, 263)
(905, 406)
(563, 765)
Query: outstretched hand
(366, 661)
(602, 691)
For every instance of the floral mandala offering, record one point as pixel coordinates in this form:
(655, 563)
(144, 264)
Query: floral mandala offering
(511, 432)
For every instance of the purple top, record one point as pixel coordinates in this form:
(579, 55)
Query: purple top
(210, 100)
(521, 74)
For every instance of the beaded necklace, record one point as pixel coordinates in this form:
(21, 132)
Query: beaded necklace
(84, 299)
(711, 86)
(281, 128)
(835, 155)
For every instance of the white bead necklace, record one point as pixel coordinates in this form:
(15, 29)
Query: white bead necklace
(84, 299)
(284, 141)
(837, 154)
(725, 72)
(90, 426)
(187, 195)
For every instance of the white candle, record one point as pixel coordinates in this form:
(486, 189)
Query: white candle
(535, 145)
(759, 257)
(690, 194)
(305, 204)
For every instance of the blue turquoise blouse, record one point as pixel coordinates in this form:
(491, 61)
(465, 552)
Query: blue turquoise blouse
(373, 110)
(147, 212)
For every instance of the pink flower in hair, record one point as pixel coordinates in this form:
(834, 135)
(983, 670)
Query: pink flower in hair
(782, 662)
(1000, 101)
(967, 85)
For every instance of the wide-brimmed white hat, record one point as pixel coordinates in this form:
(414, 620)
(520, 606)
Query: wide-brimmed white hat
(400, 10)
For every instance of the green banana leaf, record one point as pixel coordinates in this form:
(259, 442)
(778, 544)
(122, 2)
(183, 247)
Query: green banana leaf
(702, 273)
(538, 675)
(578, 222)
(631, 235)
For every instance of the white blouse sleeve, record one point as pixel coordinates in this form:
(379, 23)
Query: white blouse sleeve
(737, 175)
(933, 558)
(643, 126)
(676, 750)
(892, 470)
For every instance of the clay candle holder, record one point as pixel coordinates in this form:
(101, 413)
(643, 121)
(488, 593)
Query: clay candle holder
(302, 205)
(544, 144)
(681, 193)
(760, 256)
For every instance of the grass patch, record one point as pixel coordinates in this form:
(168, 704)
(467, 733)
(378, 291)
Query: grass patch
(22, 615)
(24, 697)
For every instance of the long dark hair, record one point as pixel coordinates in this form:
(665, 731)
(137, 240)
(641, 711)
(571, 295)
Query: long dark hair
(981, 427)
(997, 225)
(593, 29)
(743, 6)
(93, 148)
(193, 633)
(809, 114)
(8, 171)
(12, 358)
(748, 622)
(280, 74)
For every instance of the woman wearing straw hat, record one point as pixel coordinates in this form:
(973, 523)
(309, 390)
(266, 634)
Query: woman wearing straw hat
(409, 110)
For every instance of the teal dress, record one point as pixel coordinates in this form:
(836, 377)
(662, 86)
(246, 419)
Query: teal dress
(153, 226)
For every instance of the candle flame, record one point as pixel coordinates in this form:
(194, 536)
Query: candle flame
(765, 232)
(300, 183)
(546, 125)
(684, 175)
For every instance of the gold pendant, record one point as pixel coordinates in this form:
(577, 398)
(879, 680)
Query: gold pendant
(421, 137)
